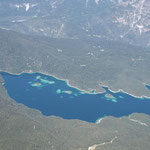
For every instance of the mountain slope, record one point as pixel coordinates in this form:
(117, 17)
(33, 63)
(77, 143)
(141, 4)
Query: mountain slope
(86, 64)
(121, 20)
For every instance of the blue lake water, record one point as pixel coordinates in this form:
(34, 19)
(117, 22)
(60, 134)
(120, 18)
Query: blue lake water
(147, 86)
(54, 97)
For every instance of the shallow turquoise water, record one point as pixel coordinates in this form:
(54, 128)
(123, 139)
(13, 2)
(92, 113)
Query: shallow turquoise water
(54, 97)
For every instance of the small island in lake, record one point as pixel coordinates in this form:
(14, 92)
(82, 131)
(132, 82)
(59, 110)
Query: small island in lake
(108, 96)
(37, 84)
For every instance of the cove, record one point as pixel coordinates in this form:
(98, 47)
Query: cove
(54, 97)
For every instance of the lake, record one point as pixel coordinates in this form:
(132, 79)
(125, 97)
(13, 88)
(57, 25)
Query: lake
(52, 96)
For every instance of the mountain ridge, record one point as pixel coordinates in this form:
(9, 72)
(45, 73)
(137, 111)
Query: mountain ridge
(120, 20)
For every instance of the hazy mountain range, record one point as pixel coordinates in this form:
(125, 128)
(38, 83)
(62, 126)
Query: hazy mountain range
(125, 20)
